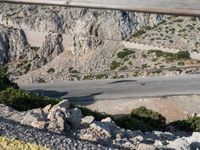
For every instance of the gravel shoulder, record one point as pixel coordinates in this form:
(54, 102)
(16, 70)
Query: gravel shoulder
(171, 107)
(48, 139)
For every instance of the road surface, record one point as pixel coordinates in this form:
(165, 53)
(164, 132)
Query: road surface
(181, 7)
(119, 89)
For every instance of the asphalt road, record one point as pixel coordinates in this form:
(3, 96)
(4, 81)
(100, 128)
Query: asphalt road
(182, 7)
(119, 89)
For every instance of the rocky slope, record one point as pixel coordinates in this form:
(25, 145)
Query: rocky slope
(48, 43)
(53, 125)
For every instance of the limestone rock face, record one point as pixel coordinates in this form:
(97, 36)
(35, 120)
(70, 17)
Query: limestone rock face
(13, 45)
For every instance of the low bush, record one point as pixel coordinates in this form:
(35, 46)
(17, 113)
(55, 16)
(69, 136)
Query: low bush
(153, 119)
(142, 119)
(41, 80)
(189, 125)
(4, 81)
(169, 57)
(125, 53)
(22, 100)
(51, 70)
(139, 33)
(114, 65)
(183, 55)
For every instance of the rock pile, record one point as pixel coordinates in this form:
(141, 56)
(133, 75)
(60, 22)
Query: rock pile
(64, 120)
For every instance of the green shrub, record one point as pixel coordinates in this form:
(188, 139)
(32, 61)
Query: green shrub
(169, 57)
(193, 19)
(124, 68)
(153, 119)
(142, 119)
(138, 33)
(181, 63)
(88, 77)
(130, 123)
(114, 65)
(102, 76)
(5, 82)
(125, 53)
(189, 125)
(183, 55)
(51, 70)
(41, 80)
(22, 100)
(178, 20)
(144, 66)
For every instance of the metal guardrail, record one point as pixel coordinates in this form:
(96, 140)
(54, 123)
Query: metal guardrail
(180, 7)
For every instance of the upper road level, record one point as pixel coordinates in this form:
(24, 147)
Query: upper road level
(180, 7)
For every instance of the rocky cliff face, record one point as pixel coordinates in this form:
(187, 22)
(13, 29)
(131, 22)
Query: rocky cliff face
(59, 37)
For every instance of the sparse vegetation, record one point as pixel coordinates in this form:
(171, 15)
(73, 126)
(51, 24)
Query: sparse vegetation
(189, 125)
(88, 77)
(181, 63)
(123, 68)
(18, 99)
(178, 20)
(102, 76)
(125, 53)
(169, 57)
(142, 119)
(138, 33)
(144, 66)
(114, 65)
(41, 80)
(51, 70)
(72, 70)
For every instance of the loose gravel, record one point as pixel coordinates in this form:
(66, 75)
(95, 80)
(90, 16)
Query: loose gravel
(40, 137)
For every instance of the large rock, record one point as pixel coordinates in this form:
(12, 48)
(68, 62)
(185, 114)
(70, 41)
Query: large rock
(36, 118)
(87, 120)
(61, 106)
(75, 117)
(58, 115)
(98, 131)
(178, 144)
(10, 113)
(144, 146)
(58, 123)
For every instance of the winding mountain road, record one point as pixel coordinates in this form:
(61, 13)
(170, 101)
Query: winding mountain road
(120, 89)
